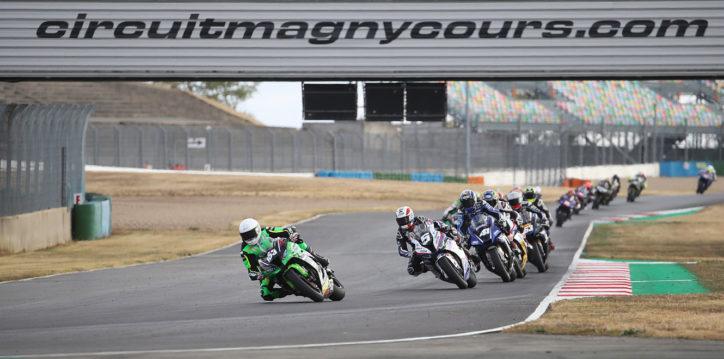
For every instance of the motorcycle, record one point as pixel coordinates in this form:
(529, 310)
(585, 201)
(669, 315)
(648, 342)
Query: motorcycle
(634, 189)
(600, 197)
(704, 182)
(299, 272)
(582, 196)
(615, 187)
(442, 256)
(537, 239)
(491, 245)
(564, 211)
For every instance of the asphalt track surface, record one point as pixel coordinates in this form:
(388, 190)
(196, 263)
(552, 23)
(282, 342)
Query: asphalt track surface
(205, 306)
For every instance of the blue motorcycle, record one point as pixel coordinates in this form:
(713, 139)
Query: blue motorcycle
(490, 243)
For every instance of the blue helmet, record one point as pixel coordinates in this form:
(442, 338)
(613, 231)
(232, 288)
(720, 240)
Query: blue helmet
(491, 197)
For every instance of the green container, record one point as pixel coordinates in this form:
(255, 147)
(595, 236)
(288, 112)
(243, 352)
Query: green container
(392, 176)
(719, 167)
(454, 179)
(87, 221)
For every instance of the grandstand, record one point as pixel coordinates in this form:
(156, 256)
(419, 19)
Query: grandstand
(128, 102)
(630, 103)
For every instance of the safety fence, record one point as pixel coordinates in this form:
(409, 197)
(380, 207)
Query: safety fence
(42, 156)
(539, 153)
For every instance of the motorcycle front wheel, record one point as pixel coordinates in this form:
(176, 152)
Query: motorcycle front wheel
(497, 262)
(451, 272)
(302, 286)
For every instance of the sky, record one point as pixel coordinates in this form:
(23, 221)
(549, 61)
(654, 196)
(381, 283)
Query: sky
(276, 104)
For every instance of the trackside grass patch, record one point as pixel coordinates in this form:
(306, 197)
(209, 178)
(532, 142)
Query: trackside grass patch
(695, 239)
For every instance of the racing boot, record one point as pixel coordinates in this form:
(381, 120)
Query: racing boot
(323, 261)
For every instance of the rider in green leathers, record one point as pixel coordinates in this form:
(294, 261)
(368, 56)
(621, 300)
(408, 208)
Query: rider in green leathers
(256, 242)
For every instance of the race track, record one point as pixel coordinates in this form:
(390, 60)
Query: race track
(207, 301)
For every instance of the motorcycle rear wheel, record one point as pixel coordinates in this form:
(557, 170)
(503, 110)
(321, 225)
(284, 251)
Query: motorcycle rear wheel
(536, 257)
(301, 285)
(451, 272)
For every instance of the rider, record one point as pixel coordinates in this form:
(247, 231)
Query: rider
(255, 242)
(406, 223)
(533, 196)
(518, 202)
(641, 177)
(712, 172)
(495, 200)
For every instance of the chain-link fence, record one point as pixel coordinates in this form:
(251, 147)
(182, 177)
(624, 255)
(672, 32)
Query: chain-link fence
(542, 152)
(41, 156)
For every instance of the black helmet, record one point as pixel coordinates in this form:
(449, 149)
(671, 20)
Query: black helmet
(468, 198)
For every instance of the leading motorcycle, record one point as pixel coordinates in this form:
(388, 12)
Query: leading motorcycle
(491, 245)
(298, 271)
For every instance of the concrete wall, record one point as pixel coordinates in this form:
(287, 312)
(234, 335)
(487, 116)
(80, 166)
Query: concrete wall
(518, 177)
(623, 171)
(36, 230)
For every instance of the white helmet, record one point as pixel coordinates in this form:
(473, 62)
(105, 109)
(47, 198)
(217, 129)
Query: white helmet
(405, 217)
(250, 231)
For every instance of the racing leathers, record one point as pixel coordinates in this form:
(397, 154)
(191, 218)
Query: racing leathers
(541, 206)
(414, 265)
(252, 254)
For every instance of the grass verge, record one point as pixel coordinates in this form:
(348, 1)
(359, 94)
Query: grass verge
(694, 237)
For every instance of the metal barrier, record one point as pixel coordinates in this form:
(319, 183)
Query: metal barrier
(42, 156)
(539, 152)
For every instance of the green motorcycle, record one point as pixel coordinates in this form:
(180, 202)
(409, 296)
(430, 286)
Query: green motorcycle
(298, 271)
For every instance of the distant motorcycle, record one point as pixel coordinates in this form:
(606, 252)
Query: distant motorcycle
(565, 210)
(442, 256)
(704, 182)
(635, 186)
(600, 196)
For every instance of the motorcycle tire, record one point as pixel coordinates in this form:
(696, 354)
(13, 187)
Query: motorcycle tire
(536, 257)
(519, 271)
(497, 263)
(338, 292)
(451, 272)
(631, 194)
(472, 280)
(302, 286)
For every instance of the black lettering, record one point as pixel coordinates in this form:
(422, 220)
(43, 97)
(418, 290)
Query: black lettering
(371, 25)
(120, 32)
(77, 26)
(417, 33)
(190, 26)
(43, 29)
(249, 27)
(522, 25)
(206, 26)
(595, 30)
(562, 26)
(285, 30)
(469, 30)
(322, 37)
(682, 26)
(93, 25)
(392, 34)
(486, 34)
(628, 30)
(171, 34)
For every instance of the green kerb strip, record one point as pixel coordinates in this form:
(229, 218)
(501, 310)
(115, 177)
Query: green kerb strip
(660, 216)
(663, 279)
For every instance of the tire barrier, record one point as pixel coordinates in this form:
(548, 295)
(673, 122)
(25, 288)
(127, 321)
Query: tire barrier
(346, 174)
(92, 220)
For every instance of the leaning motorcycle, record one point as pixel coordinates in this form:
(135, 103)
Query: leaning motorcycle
(491, 245)
(564, 211)
(634, 189)
(298, 271)
(442, 256)
(600, 197)
(537, 239)
(704, 182)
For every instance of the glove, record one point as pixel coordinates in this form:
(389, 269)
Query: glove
(255, 276)
(294, 237)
